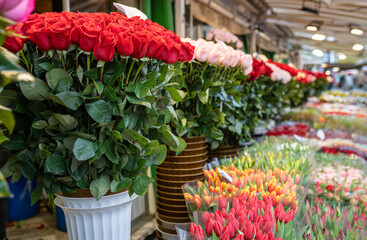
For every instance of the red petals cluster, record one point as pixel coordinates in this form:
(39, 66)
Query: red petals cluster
(299, 129)
(102, 33)
(259, 68)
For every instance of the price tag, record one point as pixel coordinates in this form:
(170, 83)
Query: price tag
(130, 11)
(225, 175)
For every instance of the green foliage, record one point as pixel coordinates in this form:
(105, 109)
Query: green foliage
(93, 127)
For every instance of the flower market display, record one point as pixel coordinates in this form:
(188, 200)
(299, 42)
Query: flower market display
(98, 99)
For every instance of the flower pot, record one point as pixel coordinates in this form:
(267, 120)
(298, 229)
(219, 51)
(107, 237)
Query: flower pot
(89, 219)
(169, 189)
(19, 204)
(179, 171)
(170, 195)
(224, 152)
(187, 178)
(171, 207)
(173, 219)
(189, 159)
(189, 152)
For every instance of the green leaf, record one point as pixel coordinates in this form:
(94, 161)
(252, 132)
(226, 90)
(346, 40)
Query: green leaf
(8, 97)
(37, 90)
(4, 189)
(130, 135)
(141, 90)
(84, 149)
(204, 96)
(100, 186)
(110, 94)
(7, 118)
(54, 76)
(119, 186)
(55, 164)
(46, 66)
(70, 99)
(174, 94)
(67, 122)
(169, 138)
(92, 74)
(79, 73)
(99, 111)
(36, 194)
(141, 184)
(135, 100)
(40, 124)
(111, 151)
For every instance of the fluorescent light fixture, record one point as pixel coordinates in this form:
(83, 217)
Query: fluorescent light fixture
(336, 69)
(355, 29)
(312, 28)
(342, 56)
(318, 37)
(318, 53)
(324, 65)
(330, 38)
(327, 72)
(357, 47)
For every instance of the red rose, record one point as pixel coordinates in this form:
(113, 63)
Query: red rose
(61, 38)
(187, 52)
(105, 48)
(170, 53)
(155, 47)
(125, 46)
(89, 35)
(330, 188)
(41, 35)
(140, 41)
(13, 44)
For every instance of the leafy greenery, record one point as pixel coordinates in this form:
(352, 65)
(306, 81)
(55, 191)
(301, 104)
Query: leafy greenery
(94, 125)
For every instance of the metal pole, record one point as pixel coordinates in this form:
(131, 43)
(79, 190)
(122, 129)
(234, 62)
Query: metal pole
(180, 17)
(253, 36)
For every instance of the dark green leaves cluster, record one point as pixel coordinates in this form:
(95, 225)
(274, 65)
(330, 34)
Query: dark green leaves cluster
(96, 127)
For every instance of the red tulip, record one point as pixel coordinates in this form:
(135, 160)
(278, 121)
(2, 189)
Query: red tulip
(206, 217)
(279, 213)
(218, 228)
(250, 232)
(225, 233)
(209, 226)
(222, 202)
(289, 216)
(192, 229)
(218, 217)
(224, 213)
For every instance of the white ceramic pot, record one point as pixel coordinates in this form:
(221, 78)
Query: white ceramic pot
(89, 219)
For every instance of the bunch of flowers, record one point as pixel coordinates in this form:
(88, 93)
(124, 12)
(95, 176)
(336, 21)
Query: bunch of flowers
(334, 222)
(102, 34)
(279, 74)
(260, 68)
(98, 113)
(343, 184)
(224, 36)
(298, 129)
(292, 71)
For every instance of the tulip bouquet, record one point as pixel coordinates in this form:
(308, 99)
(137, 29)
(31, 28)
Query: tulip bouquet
(98, 113)
(224, 36)
(211, 80)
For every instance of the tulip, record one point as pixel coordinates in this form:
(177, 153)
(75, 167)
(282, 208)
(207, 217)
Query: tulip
(192, 229)
(279, 213)
(199, 233)
(198, 201)
(225, 233)
(249, 233)
(209, 226)
(218, 228)
(218, 217)
(206, 217)
(239, 237)
(207, 200)
(222, 202)
(289, 216)
(224, 213)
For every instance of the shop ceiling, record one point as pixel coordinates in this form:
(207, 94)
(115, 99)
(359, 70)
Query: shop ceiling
(335, 18)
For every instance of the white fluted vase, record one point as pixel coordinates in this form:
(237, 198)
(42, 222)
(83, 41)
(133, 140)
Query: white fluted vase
(106, 219)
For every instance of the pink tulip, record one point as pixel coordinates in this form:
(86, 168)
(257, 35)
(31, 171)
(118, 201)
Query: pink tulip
(16, 10)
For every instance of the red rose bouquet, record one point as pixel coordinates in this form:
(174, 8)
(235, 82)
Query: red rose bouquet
(98, 113)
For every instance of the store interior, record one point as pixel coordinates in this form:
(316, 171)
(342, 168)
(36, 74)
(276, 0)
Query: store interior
(183, 119)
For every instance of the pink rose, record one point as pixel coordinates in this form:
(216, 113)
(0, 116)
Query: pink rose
(16, 10)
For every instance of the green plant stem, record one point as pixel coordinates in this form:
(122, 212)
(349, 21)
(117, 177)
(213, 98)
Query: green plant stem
(25, 60)
(137, 72)
(101, 76)
(88, 67)
(63, 61)
(128, 74)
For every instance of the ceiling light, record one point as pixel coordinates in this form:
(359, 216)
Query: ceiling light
(356, 30)
(342, 56)
(357, 47)
(324, 65)
(318, 37)
(327, 72)
(312, 28)
(330, 38)
(318, 53)
(336, 69)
